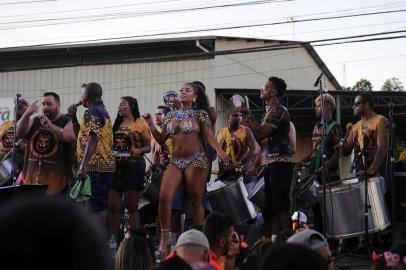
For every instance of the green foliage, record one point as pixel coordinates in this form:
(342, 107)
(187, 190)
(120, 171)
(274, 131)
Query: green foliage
(363, 85)
(392, 84)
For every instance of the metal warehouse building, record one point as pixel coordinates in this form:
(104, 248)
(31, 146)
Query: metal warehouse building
(146, 69)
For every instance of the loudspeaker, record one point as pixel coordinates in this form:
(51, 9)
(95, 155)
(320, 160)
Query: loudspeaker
(9, 193)
(400, 197)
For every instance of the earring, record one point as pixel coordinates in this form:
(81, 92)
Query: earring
(194, 104)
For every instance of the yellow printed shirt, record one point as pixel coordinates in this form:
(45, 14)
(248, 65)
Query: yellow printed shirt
(6, 137)
(368, 132)
(133, 136)
(96, 122)
(47, 160)
(402, 155)
(235, 143)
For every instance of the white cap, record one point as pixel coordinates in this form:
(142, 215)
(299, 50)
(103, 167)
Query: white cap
(299, 216)
(193, 237)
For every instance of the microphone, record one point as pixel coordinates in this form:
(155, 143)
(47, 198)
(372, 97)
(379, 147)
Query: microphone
(317, 82)
(348, 127)
(77, 104)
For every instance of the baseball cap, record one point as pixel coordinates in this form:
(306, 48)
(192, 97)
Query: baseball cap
(299, 216)
(193, 237)
(308, 238)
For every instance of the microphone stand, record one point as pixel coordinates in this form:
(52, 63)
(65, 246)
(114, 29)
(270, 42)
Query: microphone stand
(323, 149)
(367, 207)
(392, 146)
(13, 150)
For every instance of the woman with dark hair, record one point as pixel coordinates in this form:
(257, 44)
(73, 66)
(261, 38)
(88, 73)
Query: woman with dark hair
(189, 160)
(131, 140)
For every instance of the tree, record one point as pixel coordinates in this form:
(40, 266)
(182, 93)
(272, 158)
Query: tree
(363, 85)
(392, 84)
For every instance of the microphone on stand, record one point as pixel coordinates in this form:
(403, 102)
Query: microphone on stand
(317, 82)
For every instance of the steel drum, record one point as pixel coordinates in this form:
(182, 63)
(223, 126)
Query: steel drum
(5, 171)
(305, 191)
(232, 200)
(257, 194)
(345, 207)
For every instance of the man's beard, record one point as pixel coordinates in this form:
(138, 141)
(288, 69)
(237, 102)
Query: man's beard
(50, 115)
(234, 125)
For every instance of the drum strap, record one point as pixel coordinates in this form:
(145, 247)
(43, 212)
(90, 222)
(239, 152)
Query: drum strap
(316, 161)
(229, 144)
(372, 124)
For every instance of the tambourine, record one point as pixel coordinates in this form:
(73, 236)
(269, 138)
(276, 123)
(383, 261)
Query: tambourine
(170, 99)
(238, 101)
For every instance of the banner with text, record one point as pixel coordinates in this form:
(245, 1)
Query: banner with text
(6, 109)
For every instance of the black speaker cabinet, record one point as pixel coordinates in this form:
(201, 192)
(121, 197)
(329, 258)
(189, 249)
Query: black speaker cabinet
(400, 197)
(9, 193)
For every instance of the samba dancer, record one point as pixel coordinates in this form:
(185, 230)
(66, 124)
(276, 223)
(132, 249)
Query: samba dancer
(49, 137)
(273, 133)
(131, 140)
(188, 160)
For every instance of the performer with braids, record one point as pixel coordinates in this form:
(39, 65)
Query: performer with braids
(131, 140)
(189, 159)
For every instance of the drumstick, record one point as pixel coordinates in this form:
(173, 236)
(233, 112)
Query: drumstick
(147, 159)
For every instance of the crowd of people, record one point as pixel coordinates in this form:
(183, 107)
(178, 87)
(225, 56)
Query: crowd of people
(56, 149)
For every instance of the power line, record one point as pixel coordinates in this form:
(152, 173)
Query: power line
(121, 15)
(296, 33)
(86, 9)
(248, 50)
(26, 2)
(359, 41)
(336, 28)
(230, 27)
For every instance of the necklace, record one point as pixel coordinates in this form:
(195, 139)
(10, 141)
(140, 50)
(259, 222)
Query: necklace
(183, 114)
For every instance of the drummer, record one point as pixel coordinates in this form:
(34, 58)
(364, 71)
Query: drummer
(332, 140)
(368, 137)
(240, 145)
(333, 153)
(273, 132)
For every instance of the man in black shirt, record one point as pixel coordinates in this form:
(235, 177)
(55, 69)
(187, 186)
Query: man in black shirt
(273, 133)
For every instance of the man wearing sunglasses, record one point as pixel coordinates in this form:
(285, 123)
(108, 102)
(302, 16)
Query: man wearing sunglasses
(368, 137)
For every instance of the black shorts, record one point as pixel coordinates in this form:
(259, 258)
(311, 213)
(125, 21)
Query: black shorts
(278, 178)
(129, 175)
(101, 182)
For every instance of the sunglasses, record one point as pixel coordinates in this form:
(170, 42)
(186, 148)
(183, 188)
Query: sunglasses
(357, 103)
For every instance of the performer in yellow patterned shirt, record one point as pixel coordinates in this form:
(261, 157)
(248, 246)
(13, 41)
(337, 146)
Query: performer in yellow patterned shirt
(7, 137)
(94, 152)
(132, 140)
(48, 139)
(239, 144)
(368, 136)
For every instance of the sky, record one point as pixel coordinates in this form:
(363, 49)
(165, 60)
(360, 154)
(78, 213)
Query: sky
(34, 22)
